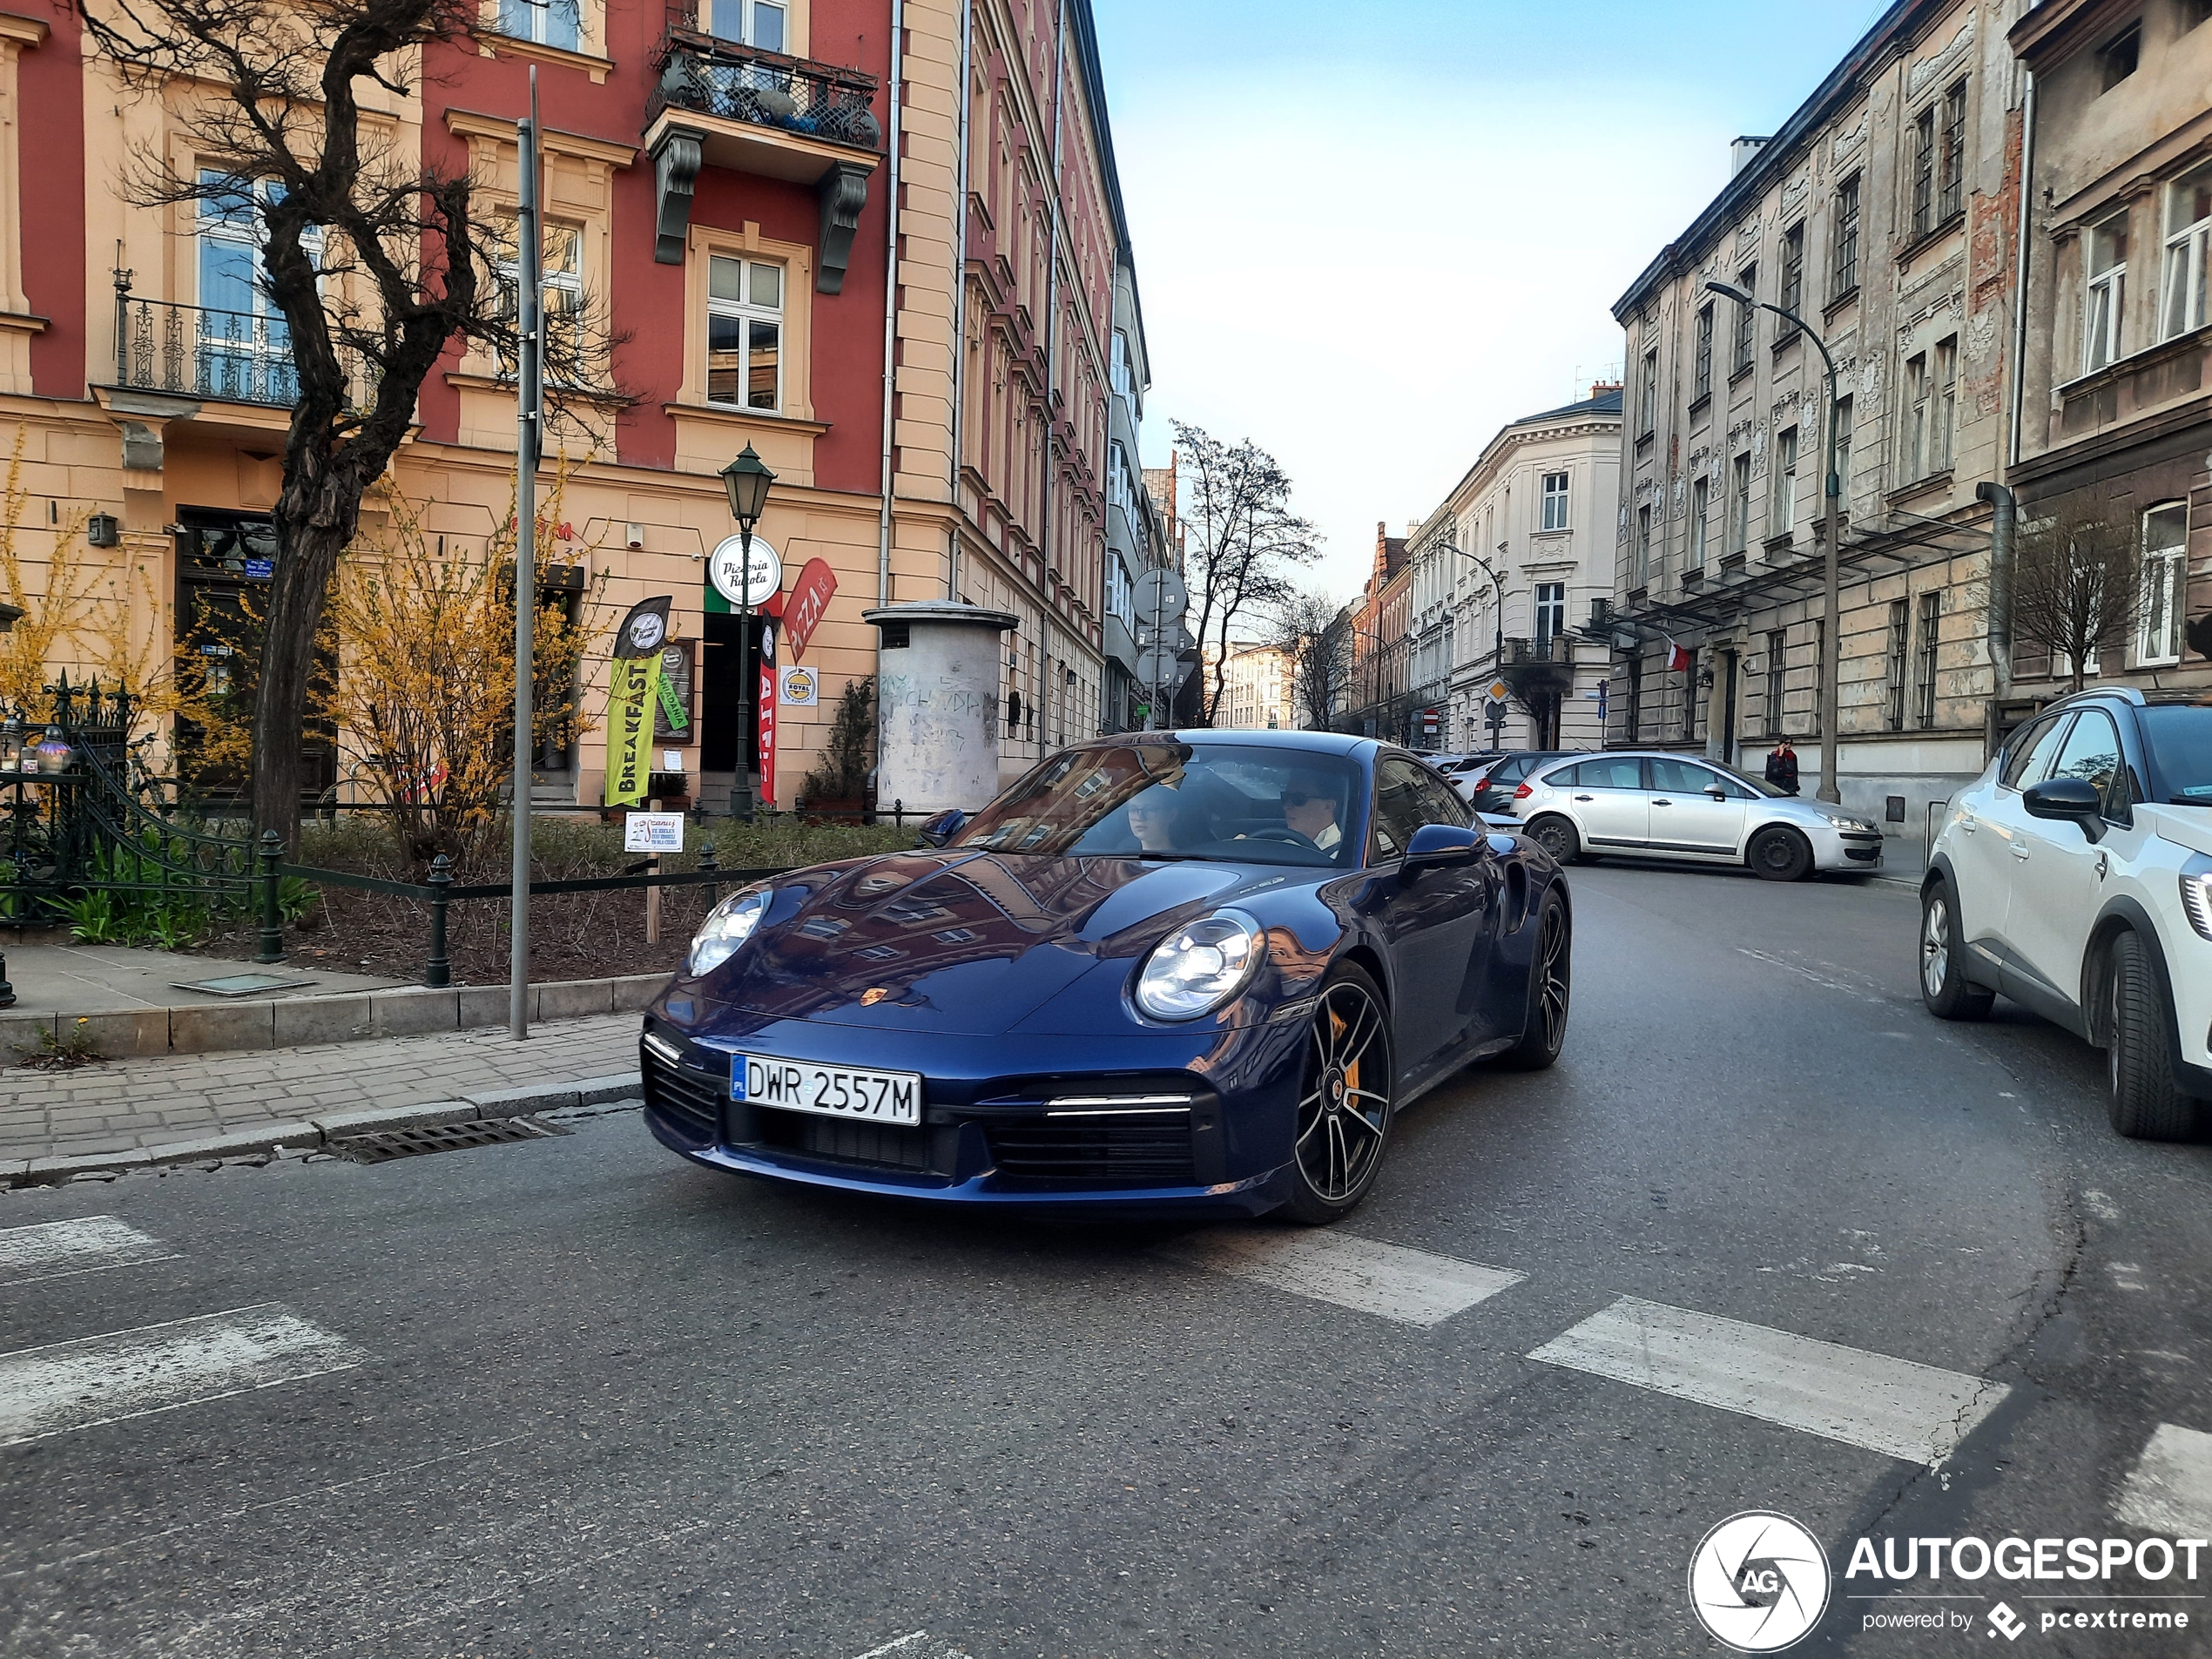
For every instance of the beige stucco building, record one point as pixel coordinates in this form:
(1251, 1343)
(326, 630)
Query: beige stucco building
(1257, 687)
(1882, 214)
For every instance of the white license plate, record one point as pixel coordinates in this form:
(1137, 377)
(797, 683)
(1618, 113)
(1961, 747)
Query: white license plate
(857, 1092)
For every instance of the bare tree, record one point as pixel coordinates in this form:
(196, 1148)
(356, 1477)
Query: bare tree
(375, 261)
(2077, 583)
(1313, 629)
(1241, 539)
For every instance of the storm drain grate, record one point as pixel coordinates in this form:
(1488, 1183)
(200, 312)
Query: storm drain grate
(381, 1146)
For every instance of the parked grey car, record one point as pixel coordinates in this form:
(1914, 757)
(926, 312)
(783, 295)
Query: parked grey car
(1642, 804)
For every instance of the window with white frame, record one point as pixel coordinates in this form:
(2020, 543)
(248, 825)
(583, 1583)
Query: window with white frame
(244, 343)
(1700, 506)
(1944, 420)
(2158, 627)
(1739, 516)
(1554, 501)
(2188, 252)
(1551, 610)
(549, 22)
(2105, 302)
(1917, 389)
(560, 292)
(745, 333)
(750, 23)
(1785, 483)
(1121, 594)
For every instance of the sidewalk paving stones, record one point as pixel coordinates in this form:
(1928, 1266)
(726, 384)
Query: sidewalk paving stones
(145, 1109)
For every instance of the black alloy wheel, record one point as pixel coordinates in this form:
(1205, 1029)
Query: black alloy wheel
(1345, 1094)
(1550, 980)
(1944, 985)
(1780, 855)
(1557, 836)
(2144, 1102)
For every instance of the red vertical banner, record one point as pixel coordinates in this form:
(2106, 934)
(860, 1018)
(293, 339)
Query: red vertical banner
(768, 712)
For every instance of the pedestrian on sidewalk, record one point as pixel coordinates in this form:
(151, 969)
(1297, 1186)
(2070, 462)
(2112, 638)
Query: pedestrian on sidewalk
(1782, 767)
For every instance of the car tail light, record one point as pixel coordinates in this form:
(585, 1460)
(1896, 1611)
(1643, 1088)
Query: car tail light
(1523, 792)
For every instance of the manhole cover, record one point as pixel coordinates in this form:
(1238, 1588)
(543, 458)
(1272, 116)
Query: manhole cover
(381, 1146)
(242, 984)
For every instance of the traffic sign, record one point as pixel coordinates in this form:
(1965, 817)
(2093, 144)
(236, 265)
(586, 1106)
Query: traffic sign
(1161, 598)
(1158, 667)
(1500, 690)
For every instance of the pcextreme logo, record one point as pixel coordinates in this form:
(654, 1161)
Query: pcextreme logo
(1759, 1581)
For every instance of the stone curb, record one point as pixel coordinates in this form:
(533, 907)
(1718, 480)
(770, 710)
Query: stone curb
(307, 1134)
(338, 1016)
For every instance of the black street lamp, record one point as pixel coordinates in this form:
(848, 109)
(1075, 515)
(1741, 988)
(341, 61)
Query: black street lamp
(1497, 600)
(1832, 631)
(747, 479)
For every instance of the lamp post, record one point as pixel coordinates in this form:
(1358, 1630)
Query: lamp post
(1498, 642)
(1831, 629)
(747, 479)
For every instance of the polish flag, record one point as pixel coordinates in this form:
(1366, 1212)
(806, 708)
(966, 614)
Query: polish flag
(1677, 656)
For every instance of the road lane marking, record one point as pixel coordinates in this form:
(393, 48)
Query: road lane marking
(2169, 1490)
(1365, 1275)
(87, 1244)
(67, 1385)
(1907, 1410)
(905, 1648)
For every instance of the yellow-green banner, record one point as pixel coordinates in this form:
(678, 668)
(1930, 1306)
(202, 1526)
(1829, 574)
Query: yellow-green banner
(629, 702)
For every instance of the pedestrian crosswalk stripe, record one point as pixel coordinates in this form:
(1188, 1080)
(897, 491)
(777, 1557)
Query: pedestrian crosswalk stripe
(1364, 1274)
(2169, 1490)
(85, 1245)
(1907, 1410)
(67, 1385)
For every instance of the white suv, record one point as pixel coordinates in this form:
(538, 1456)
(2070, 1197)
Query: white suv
(2076, 877)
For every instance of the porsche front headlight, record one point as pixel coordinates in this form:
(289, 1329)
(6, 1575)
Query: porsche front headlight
(1197, 967)
(727, 925)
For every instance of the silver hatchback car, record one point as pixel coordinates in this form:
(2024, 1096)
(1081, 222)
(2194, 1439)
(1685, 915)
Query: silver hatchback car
(1645, 804)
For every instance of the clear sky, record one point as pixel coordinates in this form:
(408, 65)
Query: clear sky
(1368, 234)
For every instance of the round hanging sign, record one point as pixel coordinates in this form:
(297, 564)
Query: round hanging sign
(725, 569)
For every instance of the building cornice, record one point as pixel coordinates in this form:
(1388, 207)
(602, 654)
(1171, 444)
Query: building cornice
(2058, 29)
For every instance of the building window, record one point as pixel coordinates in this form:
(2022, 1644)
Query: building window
(1643, 546)
(2189, 250)
(1777, 670)
(1923, 676)
(1917, 388)
(2117, 57)
(1950, 178)
(1635, 698)
(1746, 321)
(2158, 633)
(1554, 493)
(745, 324)
(560, 292)
(1551, 610)
(1120, 595)
(549, 22)
(1944, 422)
(1844, 274)
(1894, 662)
(1924, 145)
(1793, 269)
(2108, 293)
(1785, 483)
(244, 343)
(1648, 398)
(750, 23)
(1690, 694)
(1739, 512)
(1700, 506)
(1702, 385)
(1843, 453)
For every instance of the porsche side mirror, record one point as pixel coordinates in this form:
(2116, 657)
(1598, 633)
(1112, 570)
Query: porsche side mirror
(935, 832)
(1437, 845)
(2074, 799)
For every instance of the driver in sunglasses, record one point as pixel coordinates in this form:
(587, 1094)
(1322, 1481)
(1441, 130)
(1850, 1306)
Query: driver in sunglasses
(1310, 808)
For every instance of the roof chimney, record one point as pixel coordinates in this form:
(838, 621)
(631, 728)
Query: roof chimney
(1740, 153)
(1599, 388)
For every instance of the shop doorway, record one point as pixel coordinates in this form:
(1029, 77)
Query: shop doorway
(729, 707)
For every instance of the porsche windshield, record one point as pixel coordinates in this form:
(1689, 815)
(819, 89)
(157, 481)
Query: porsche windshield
(1179, 800)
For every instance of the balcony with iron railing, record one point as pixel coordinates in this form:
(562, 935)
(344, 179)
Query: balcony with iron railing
(210, 355)
(1539, 667)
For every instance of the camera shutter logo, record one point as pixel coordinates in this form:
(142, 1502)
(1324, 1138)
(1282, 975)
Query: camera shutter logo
(1759, 1581)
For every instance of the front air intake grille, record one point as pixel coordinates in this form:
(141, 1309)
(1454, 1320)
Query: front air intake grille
(887, 1146)
(688, 1101)
(1149, 1148)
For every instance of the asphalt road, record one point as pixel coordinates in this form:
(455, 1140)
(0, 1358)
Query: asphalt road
(576, 1396)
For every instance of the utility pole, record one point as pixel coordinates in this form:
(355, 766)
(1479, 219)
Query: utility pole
(528, 443)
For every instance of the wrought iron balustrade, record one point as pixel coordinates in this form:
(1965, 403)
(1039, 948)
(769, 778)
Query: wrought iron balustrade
(1545, 648)
(705, 73)
(235, 357)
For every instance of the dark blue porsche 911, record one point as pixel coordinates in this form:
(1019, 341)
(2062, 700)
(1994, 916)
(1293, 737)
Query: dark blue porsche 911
(1190, 971)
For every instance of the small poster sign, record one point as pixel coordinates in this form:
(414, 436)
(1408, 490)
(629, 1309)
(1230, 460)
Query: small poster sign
(652, 831)
(802, 689)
